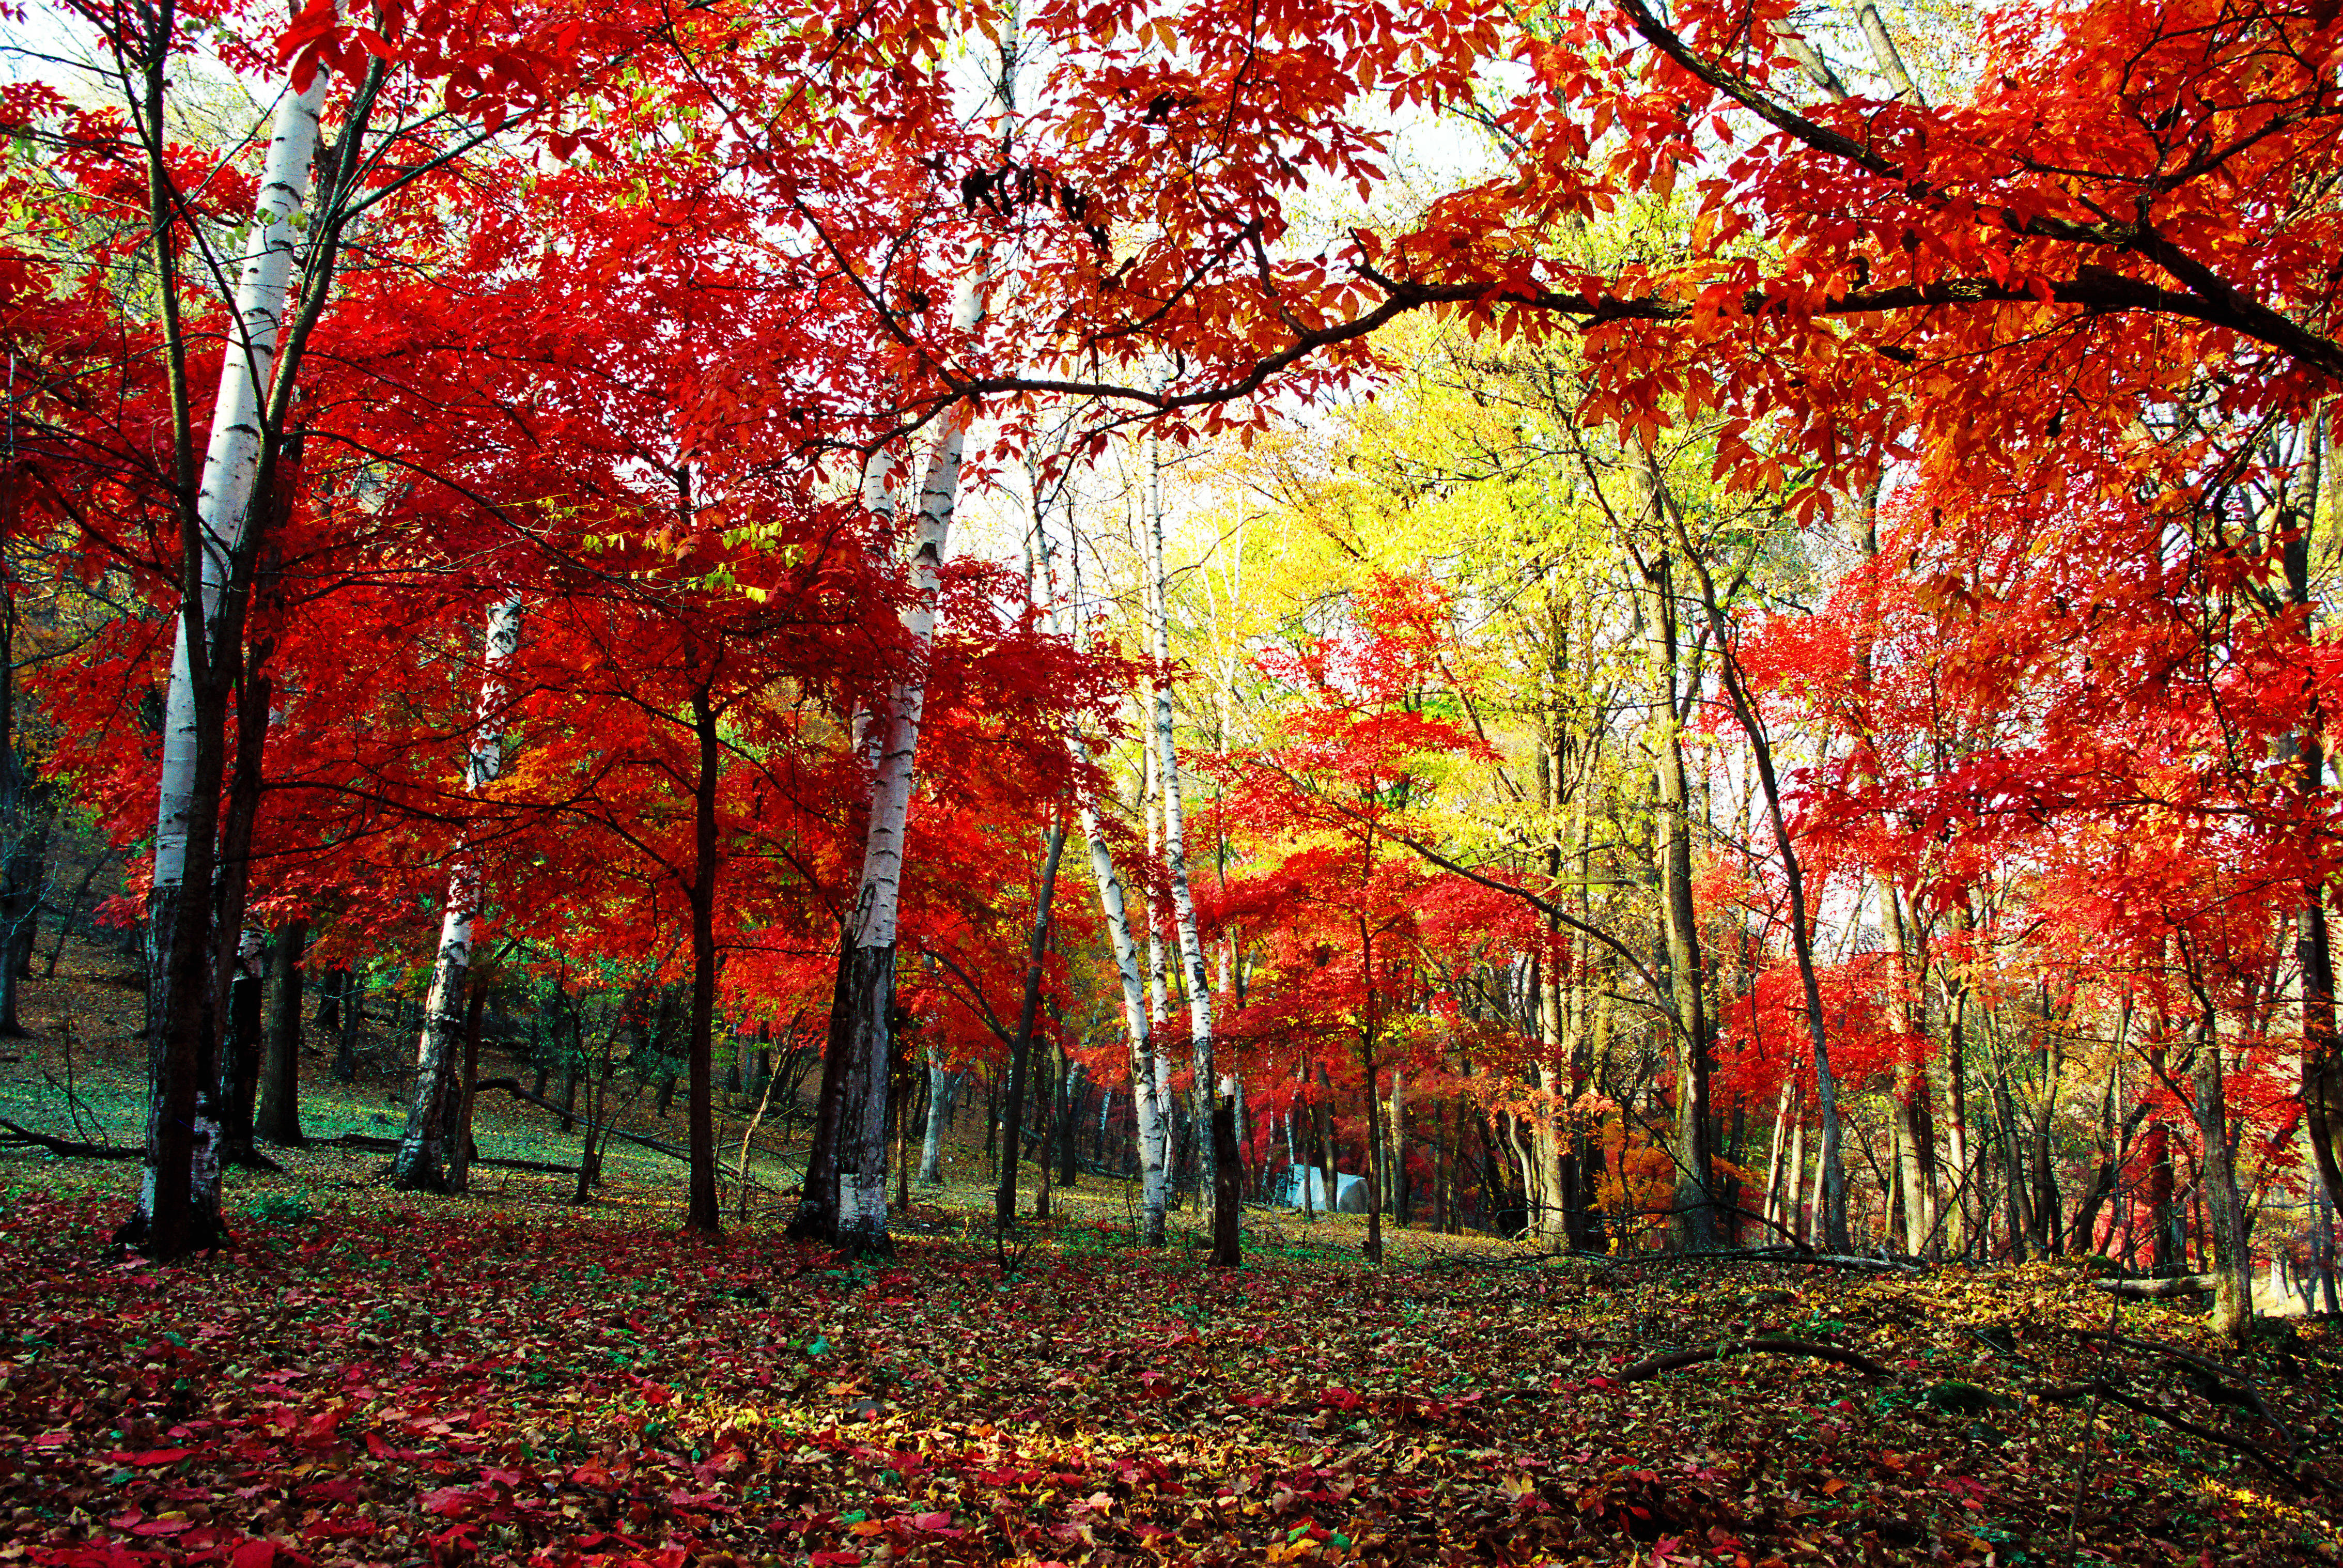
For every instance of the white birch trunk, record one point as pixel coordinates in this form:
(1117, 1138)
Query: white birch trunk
(1175, 848)
(1398, 1157)
(232, 461)
(421, 1162)
(1159, 985)
(224, 501)
(1775, 1151)
(867, 987)
(1146, 1109)
(931, 1141)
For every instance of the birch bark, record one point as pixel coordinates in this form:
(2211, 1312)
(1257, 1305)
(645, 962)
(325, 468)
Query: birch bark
(182, 1129)
(1146, 1108)
(931, 1138)
(420, 1163)
(1175, 850)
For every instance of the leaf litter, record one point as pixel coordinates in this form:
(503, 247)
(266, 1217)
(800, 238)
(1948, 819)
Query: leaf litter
(390, 1383)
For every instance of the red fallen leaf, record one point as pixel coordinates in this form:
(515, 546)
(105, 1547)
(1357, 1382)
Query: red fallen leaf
(935, 1523)
(836, 1559)
(163, 1527)
(149, 1456)
(52, 1439)
(253, 1554)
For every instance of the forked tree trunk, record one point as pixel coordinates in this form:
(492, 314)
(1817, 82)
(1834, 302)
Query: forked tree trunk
(421, 1162)
(178, 1200)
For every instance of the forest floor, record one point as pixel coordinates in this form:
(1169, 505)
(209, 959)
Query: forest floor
(367, 1377)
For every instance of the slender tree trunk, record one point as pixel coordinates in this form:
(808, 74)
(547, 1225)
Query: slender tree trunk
(1833, 1174)
(1694, 1215)
(278, 1121)
(1147, 1112)
(241, 1047)
(240, 1057)
(420, 1164)
(706, 1210)
(1021, 1050)
(932, 1137)
(1794, 1186)
(1396, 1184)
(458, 1140)
(25, 814)
(1775, 1148)
(1071, 1079)
(2233, 1290)
(1208, 1085)
(1957, 1149)
(1228, 1191)
(2322, 1047)
(1367, 1066)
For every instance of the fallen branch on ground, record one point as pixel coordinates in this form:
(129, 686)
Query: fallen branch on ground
(1772, 1344)
(1773, 1255)
(2247, 1391)
(68, 1148)
(2267, 1461)
(2159, 1289)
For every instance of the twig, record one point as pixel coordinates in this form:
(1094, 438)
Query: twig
(2236, 1445)
(2202, 1363)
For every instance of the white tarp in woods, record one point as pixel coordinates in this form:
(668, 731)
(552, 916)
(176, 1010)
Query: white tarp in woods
(1350, 1191)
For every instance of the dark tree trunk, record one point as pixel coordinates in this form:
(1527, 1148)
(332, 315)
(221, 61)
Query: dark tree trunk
(817, 1215)
(1228, 1185)
(278, 1120)
(241, 1058)
(458, 1140)
(240, 1052)
(705, 1215)
(1021, 1049)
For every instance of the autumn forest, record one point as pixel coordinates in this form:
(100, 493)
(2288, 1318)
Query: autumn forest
(1063, 782)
